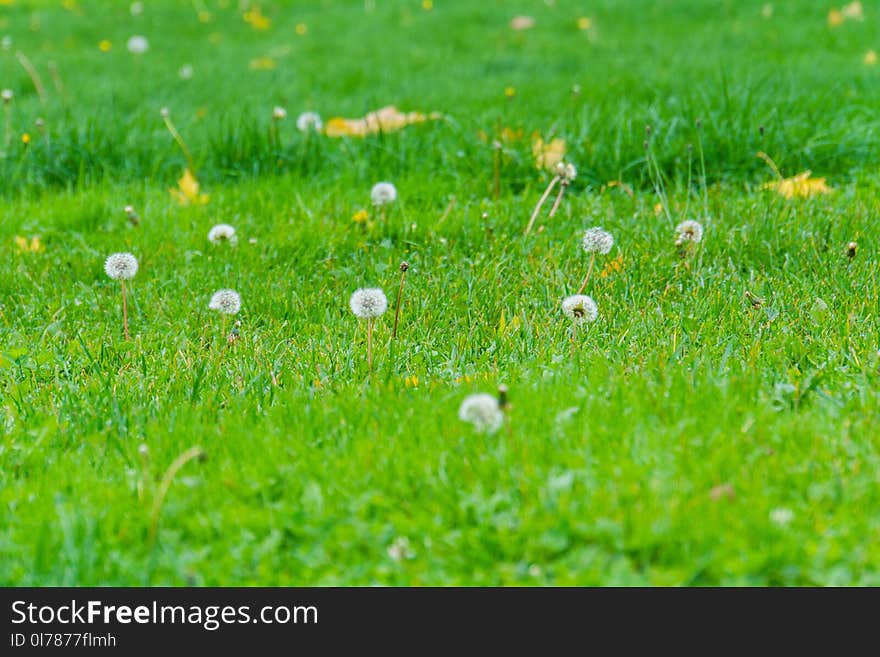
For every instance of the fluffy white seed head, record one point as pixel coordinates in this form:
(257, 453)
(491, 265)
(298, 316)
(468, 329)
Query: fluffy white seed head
(164, 112)
(688, 231)
(222, 233)
(368, 302)
(309, 121)
(121, 266)
(6, 95)
(383, 193)
(580, 309)
(138, 44)
(225, 301)
(566, 172)
(482, 411)
(597, 240)
(279, 113)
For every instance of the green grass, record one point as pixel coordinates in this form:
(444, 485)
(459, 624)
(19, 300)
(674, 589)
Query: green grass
(615, 450)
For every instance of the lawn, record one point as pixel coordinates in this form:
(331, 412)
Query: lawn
(718, 424)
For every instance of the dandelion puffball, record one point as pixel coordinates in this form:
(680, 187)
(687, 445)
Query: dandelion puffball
(225, 301)
(222, 233)
(597, 240)
(6, 95)
(368, 302)
(279, 113)
(309, 121)
(688, 231)
(482, 411)
(566, 172)
(580, 309)
(383, 193)
(138, 45)
(121, 266)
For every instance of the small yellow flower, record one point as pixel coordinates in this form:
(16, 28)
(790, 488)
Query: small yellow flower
(256, 19)
(584, 23)
(870, 58)
(835, 18)
(658, 209)
(205, 16)
(104, 46)
(411, 381)
(34, 246)
(301, 29)
(427, 5)
(510, 92)
(262, 64)
(25, 139)
(187, 192)
(360, 216)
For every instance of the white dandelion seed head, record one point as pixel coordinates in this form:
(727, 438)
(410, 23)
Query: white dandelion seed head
(6, 42)
(781, 516)
(482, 411)
(6, 95)
(383, 193)
(121, 266)
(186, 72)
(164, 112)
(688, 231)
(222, 233)
(597, 240)
(368, 302)
(136, 8)
(566, 171)
(580, 309)
(138, 44)
(227, 302)
(279, 113)
(309, 121)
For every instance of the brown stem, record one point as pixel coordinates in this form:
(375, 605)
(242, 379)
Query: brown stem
(558, 201)
(397, 307)
(124, 313)
(540, 203)
(589, 271)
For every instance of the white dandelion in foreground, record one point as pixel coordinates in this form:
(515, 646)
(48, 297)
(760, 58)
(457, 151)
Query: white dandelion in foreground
(483, 411)
(383, 193)
(368, 303)
(309, 121)
(122, 267)
(688, 231)
(222, 233)
(580, 309)
(279, 113)
(595, 240)
(226, 302)
(138, 44)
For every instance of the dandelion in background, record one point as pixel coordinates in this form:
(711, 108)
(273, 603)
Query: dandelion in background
(122, 267)
(580, 309)
(688, 231)
(781, 516)
(186, 72)
(222, 233)
(404, 267)
(132, 215)
(484, 411)
(279, 113)
(382, 195)
(6, 95)
(566, 173)
(369, 303)
(851, 250)
(138, 45)
(225, 302)
(309, 122)
(595, 240)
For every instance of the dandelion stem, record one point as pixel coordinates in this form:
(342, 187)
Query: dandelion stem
(124, 312)
(8, 134)
(496, 173)
(180, 142)
(703, 168)
(403, 267)
(370, 344)
(167, 479)
(56, 80)
(32, 73)
(446, 212)
(589, 272)
(557, 202)
(540, 203)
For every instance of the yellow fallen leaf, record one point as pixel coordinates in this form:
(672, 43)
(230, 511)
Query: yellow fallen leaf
(870, 58)
(801, 186)
(835, 18)
(386, 119)
(548, 154)
(612, 267)
(187, 192)
(34, 246)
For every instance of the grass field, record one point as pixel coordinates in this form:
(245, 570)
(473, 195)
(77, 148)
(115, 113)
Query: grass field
(719, 424)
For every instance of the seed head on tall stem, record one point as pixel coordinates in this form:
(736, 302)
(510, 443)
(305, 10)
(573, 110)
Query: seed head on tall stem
(122, 267)
(596, 240)
(369, 303)
(404, 266)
